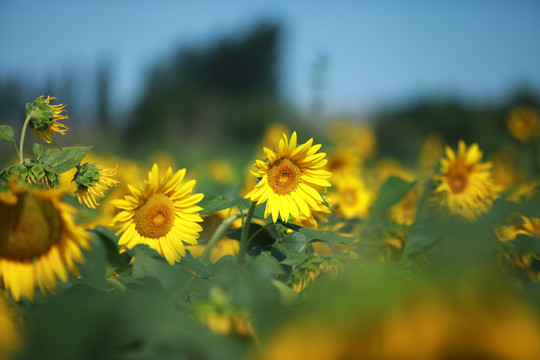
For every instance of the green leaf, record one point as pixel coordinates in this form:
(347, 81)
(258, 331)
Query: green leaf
(326, 236)
(392, 190)
(39, 150)
(93, 269)
(7, 134)
(64, 159)
(286, 294)
(423, 234)
(214, 203)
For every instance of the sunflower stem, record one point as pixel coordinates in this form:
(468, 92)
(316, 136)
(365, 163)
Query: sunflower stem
(218, 234)
(245, 231)
(23, 133)
(117, 285)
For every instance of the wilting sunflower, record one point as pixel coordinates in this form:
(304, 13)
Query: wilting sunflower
(464, 184)
(39, 241)
(291, 179)
(91, 182)
(160, 213)
(44, 118)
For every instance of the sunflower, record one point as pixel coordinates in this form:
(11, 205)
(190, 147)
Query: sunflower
(45, 118)
(92, 182)
(524, 124)
(11, 339)
(350, 197)
(464, 184)
(160, 213)
(291, 179)
(39, 241)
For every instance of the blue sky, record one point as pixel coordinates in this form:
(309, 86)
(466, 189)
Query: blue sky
(379, 52)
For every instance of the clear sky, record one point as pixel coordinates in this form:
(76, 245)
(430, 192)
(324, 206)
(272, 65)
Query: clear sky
(379, 51)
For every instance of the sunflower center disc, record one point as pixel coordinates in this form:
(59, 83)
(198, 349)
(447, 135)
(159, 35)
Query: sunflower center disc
(457, 178)
(284, 176)
(29, 228)
(156, 217)
(349, 197)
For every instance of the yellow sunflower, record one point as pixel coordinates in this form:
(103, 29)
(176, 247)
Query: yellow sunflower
(524, 123)
(10, 341)
(350, 197)
(161, 213)
(45, 118)
(92, 182)
(291, 179)
(39, 241)
(464, 184)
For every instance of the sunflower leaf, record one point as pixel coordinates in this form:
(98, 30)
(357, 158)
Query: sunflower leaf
(326, 236)
(39, 150)
(392, 190)
(7, 133)
(213, 203)
(64, 159)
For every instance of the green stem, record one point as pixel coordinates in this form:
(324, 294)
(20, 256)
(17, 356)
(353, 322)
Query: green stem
(116, 285)
(22, 138)
(218, 234)
(245, 231)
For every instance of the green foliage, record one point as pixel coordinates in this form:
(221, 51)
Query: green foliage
(6, 134)
(64, 159)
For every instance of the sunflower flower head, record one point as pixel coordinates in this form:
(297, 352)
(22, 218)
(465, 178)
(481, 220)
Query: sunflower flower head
(524, 123)
(39, 241)
(464, 183)
(44, 118)
(161, 213)
(291, 179)
(92, 182)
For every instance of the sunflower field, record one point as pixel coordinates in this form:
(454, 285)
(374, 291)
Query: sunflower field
(318, 248)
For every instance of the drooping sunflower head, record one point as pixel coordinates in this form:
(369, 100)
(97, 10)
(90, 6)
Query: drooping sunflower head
(291, 179)
(39, 241)
(44, 118)
(92, 182)
(464, 183)
(161, 213)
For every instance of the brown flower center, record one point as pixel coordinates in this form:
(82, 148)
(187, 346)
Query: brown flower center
(457, 177)
(29, 228)
(156, 217)
(284, 176)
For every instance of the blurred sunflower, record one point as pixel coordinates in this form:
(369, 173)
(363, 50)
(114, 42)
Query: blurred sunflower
(404, 212)
(44, 118)
(464, 184)
(10, 341)
(524, 124)
(350, 197)
(161, 213)
(39, 241)
(91, 182)
(291, 179)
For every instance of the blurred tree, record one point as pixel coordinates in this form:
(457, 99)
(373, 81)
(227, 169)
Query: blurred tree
(227, 91)
(400, 130)
(103, 77)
